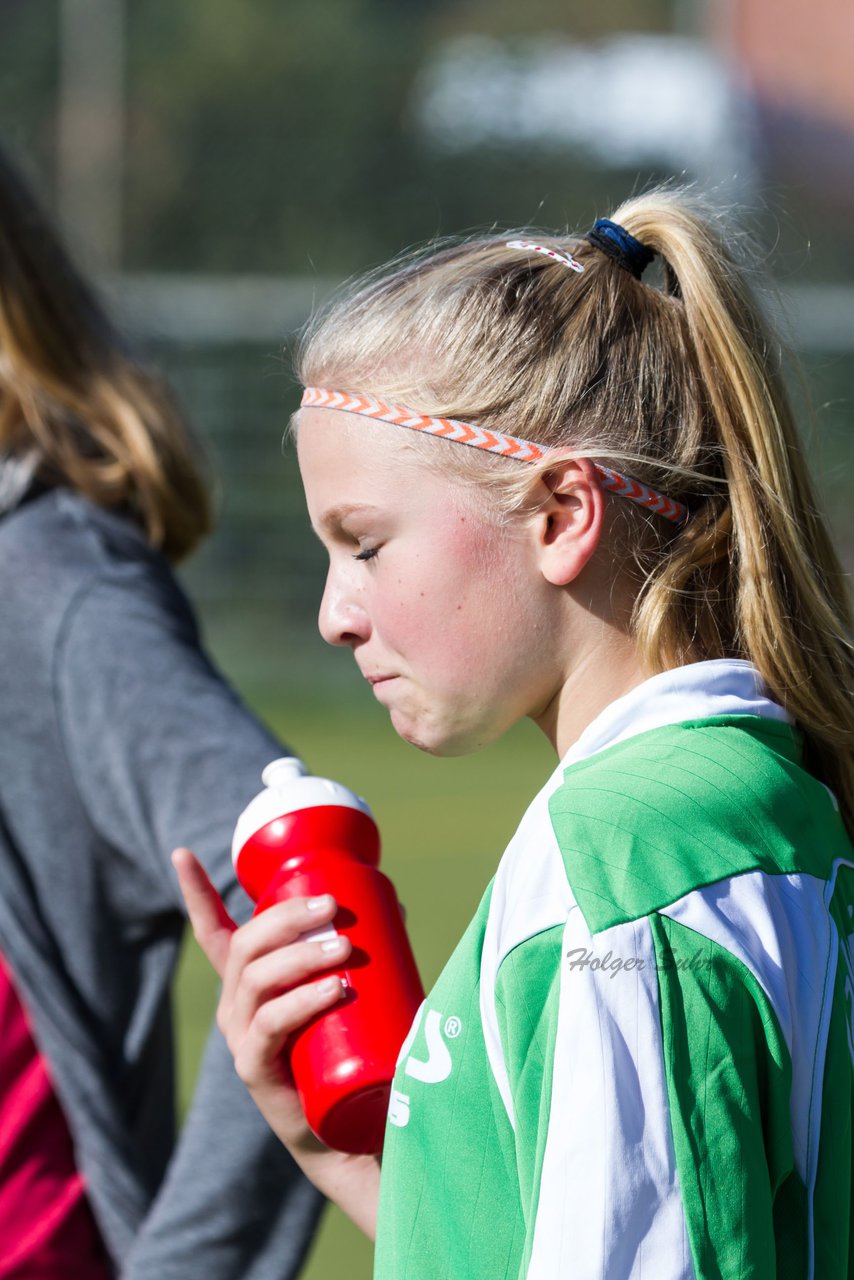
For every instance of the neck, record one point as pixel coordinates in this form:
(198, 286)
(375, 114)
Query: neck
(605, 669)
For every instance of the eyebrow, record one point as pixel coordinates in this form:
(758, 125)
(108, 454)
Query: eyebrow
(335, 516)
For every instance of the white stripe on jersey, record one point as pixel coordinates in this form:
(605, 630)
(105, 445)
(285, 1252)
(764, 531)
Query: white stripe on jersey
(609, 1201)
(529, 896)
(780, 927)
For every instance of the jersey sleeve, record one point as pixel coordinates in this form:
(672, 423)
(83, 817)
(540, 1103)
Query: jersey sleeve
(649, 1084)
(729, 1082)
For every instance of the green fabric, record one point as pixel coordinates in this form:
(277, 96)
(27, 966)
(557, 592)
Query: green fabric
(449, 1195)
(728, 1076)
(527, 996)
(638, 826)
(651, 818)
(834, 1253)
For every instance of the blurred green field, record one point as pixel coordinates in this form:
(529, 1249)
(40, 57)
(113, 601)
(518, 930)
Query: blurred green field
(444, 825)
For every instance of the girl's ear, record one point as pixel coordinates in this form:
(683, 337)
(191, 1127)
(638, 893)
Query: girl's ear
(568, 523)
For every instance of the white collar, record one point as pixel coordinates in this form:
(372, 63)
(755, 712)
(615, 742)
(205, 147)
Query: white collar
(719, 687)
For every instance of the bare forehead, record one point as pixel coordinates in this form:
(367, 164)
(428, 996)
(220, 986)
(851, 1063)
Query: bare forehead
(316, 418)
(369, 447)
(352, 468)
(324, 434)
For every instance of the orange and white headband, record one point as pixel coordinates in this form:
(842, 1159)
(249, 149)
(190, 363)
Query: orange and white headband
(491, 441)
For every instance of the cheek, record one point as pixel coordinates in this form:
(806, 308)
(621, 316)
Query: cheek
(434, 579)
(480, 597)
(454, 601)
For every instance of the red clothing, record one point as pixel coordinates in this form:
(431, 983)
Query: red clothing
(47, 1231)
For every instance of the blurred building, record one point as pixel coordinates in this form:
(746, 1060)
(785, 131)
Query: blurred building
(635, 100)
(796, 62)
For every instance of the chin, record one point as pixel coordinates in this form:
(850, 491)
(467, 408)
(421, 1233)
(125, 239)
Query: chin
(434, 740)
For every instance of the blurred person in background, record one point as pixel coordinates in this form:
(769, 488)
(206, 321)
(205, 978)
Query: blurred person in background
(118, 740)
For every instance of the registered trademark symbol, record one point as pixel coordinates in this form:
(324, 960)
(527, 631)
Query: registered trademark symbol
(453, 1027)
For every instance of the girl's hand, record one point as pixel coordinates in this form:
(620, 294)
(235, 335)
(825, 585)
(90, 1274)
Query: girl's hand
(269, 988)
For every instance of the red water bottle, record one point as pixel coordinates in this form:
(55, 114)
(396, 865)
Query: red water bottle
(304, 836)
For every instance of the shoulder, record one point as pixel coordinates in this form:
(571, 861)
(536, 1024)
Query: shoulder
(660, 814)
(66, 525)
(60, 554)
(62, 533)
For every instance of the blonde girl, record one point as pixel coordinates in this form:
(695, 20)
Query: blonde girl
(637, 1062)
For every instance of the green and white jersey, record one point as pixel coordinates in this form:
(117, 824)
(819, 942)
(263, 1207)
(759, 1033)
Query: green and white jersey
(637, 1064)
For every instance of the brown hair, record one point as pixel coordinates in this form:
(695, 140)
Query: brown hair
(678, 385)
(74, 399)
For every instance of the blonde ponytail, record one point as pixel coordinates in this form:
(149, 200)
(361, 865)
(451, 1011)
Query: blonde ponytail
(762, 559)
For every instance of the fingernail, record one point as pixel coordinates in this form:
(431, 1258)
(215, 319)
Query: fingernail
(332, 944)
(318, 904)
(330, 985)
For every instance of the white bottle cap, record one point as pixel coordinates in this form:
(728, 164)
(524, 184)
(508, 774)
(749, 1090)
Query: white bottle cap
(278, 773)
(288, 786)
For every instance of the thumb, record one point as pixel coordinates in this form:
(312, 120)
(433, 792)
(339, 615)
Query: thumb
(212, 925)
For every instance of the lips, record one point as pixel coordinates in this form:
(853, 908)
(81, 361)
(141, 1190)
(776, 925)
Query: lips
(372, 680)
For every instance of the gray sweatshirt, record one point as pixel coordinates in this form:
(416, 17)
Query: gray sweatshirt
(119, 741)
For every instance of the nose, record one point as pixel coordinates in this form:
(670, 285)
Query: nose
(343, 618)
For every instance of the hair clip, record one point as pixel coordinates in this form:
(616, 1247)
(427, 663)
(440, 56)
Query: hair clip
(566, 258)
(618, 243)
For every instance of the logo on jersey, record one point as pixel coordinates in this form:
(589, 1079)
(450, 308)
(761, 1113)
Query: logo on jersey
(433, 1068)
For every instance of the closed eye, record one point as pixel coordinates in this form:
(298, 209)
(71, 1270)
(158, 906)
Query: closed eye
(367, 553)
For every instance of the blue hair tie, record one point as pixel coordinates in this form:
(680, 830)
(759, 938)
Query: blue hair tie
(614, 241)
